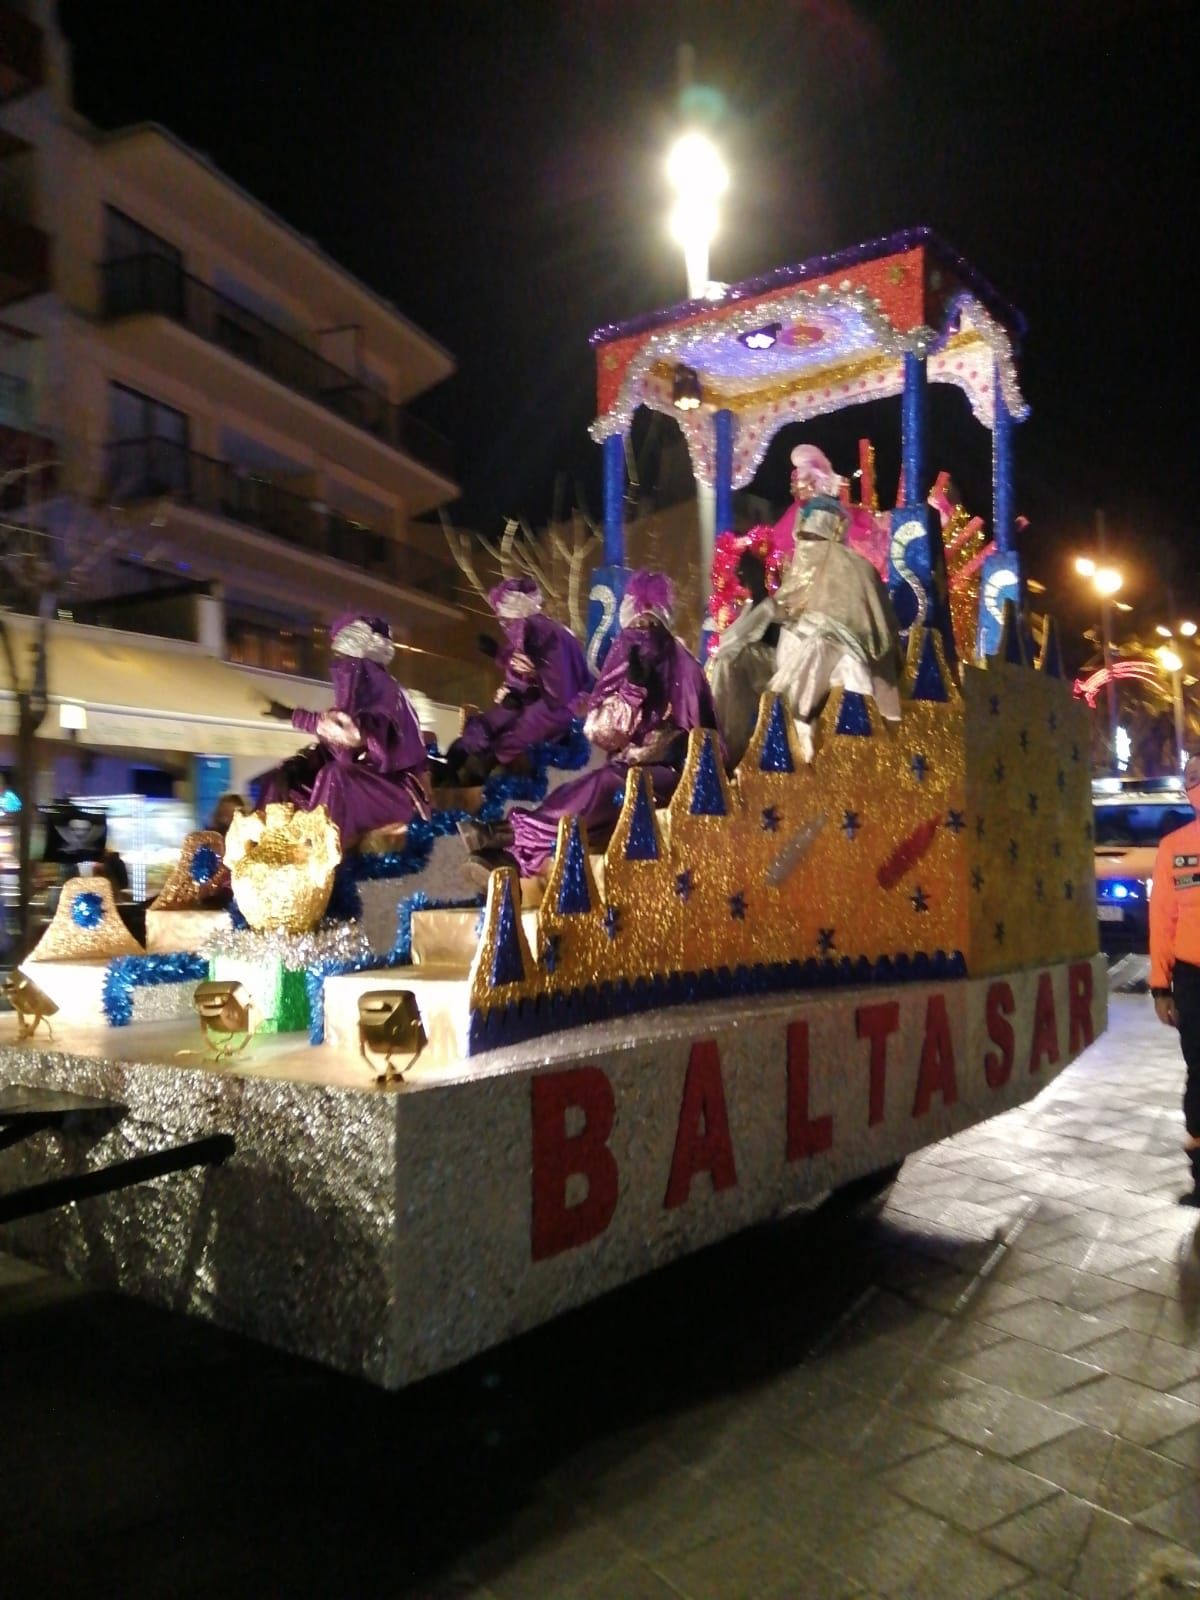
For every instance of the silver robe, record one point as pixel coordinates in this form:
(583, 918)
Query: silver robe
(838, 628)
(740, 673)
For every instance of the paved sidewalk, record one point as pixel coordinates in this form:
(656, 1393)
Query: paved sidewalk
(988, 1385)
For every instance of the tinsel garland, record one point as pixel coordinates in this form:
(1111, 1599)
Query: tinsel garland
(88, 910)
(127, 973)
(341, 941)
(400, 955)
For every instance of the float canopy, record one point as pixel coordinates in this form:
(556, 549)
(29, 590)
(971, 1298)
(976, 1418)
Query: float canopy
(813, 338)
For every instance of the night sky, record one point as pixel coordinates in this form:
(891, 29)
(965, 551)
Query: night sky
(495, 170)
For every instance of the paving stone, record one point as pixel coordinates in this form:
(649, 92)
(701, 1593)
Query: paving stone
(1156, 1363)
(1177, 1517)
(1115, 1556)
(1151, 1418)
(1027, 1369)
(1048, 1537)
(966, 1486)
(1002, 1423)
(759, 1563)
(1057, 1327)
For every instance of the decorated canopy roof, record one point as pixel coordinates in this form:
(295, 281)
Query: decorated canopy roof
(813, 338)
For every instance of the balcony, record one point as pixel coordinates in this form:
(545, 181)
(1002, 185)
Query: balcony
(142, 470)
(22, 60)
(154, 285)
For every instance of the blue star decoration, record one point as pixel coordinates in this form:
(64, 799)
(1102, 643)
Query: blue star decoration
(994, 705)
(977, 877)
(955, 821)
(737, 906)
(998, 772)
(1068, 889)
(1052, 721)
(1023, 738)
(618, 799)
(826, 943)
(998, 933)
(1014, 850)
(550, 951)
(1033, 804)
(770, 819)
(850, 824)
(1039, 889)
(920, 900)
(683, 884)
(919, 767)
(612, 922)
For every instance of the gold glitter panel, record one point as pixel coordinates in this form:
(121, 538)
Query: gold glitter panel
(966, 827)
(86, 925)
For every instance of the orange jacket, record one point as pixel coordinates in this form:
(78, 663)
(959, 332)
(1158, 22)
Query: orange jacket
(1175, 904)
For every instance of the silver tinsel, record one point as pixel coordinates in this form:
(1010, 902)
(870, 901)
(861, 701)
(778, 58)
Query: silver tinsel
(337, 941)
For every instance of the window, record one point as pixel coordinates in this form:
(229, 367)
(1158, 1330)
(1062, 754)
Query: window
(142, 271)
(123, 238)
(148, 446)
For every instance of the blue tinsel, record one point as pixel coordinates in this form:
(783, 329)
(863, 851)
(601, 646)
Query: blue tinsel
(88, 910)
(127, 973)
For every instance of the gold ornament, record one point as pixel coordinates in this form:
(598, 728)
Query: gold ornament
(31, 1005)
(224, 1008)
(86, 925)
(182, 890)
(282, 864)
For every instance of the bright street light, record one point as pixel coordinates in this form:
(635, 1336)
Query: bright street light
(699, 178)
(1107, 580)
(1169, 659)
(1085, 566)
(1187, 629)
(1163, 631)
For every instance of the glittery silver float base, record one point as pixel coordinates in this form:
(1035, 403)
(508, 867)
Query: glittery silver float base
(387, 1231)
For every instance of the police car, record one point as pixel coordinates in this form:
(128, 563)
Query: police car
(1130, 817)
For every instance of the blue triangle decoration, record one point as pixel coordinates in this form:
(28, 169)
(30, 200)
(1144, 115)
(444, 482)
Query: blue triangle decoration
(507, 966)
(929, 683)
(573, 896)
(1051, 662)
(642, 843)
(853, 716)
(708, 798)
(776, 752)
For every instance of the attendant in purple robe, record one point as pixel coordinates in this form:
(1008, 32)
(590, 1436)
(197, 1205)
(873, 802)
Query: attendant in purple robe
(651, 692)
(369, 767)
(544, 674)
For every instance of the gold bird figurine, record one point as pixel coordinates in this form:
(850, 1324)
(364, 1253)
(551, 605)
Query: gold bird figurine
(389, 1025)
(30, 1003)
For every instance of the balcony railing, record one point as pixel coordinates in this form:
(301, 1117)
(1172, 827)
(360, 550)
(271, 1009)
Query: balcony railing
(156, 284)
(154, 469)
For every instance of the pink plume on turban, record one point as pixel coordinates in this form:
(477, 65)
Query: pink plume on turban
(647, 592)
(811, 462)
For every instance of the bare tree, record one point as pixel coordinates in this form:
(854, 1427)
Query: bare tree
(556, 557)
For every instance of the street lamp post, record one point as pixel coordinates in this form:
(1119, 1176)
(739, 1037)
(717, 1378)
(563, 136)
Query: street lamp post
(699, 177)
(1106, 581)
(1171, 661)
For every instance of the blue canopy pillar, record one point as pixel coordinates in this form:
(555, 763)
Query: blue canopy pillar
(916, 560)
(723, 423)
(1000, 579)
(608, 581)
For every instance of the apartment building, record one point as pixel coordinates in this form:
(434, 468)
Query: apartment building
(225, 405)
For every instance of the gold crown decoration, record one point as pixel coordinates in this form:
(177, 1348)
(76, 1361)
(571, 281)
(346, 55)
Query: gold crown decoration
(904, 849)
(199, 878)
(281, 862)
(87, 925)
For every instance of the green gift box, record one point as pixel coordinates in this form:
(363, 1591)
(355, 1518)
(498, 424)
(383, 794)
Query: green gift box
(278, 994)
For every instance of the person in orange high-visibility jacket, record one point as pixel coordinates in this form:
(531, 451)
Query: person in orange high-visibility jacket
(1175, 957)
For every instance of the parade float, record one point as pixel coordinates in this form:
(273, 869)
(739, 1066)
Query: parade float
(347, 1104)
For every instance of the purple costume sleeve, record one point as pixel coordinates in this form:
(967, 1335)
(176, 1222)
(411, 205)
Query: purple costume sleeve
(306, 721)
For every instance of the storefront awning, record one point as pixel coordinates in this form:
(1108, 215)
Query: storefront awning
(143, 694)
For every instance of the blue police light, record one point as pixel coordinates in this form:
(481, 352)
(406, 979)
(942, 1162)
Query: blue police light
(1120, 891)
